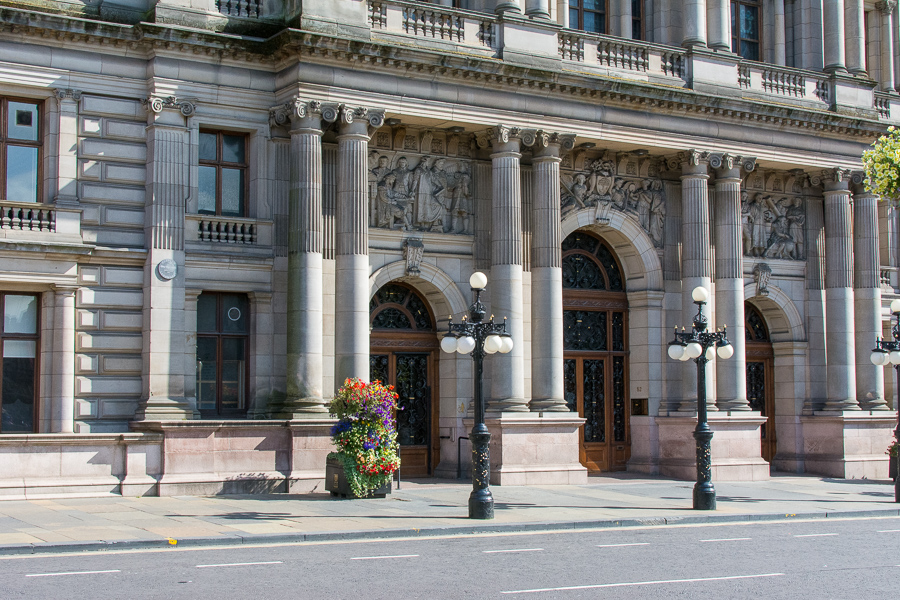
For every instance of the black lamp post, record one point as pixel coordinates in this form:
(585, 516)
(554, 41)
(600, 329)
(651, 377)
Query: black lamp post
(888, 353)
(479, 337)
(701, 345)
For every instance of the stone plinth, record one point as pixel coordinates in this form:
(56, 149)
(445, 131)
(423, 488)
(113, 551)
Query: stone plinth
(849, 445)
(735, 447)
(535, 449)
(310, 445)
(644, 445)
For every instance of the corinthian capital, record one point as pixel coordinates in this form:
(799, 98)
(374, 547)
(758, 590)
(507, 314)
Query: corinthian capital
(886, 6)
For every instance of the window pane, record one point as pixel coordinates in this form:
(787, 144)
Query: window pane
(595, 5)
(20, 314)
(234, 309)
(573, 18)
(17, 393)
(233, 148)
(206, 313)
(207, 146)
(637, 31)
(233, 192)
(21, 174)
(23, 121)
(593, 22)
(19, 349)
(207, 185)
(750, 50)
(206, 373)
(749, 22)
(233, 369)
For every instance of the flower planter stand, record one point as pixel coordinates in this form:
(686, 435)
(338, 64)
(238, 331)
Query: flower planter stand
(336, 482)
(892, 468)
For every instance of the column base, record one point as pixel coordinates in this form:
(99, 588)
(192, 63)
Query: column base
(530, 449)
(555, 405)
(848, 445)
(735, 447)
(300, 408)
(166, 409)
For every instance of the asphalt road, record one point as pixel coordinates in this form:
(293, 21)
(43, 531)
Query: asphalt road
(820, 559)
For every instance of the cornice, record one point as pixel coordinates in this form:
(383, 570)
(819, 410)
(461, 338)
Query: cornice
(290, 46)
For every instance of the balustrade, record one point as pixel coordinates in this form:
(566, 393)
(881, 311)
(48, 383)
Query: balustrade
(239, 8)
(230, 232)
(621, 55)
(28, 217)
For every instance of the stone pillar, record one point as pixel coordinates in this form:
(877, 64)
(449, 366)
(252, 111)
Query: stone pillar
(718, 27)
(854, 36)
(351, 310)
(168, 164)
(63, 399)
(779, 46)
(191, 297)
(867, 296)
(562, 13)
(304, 297)
(67, 168)
(731, 376)
(547, 378)
(537, 9)
(886, 9)
(507, 6)
(625, 19)
(833, 31)
(694, 20)
(839, 340)
(696, 263)
(508, 370)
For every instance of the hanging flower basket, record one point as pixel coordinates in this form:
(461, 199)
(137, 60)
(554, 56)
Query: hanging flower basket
(366, 439)
(882, 165)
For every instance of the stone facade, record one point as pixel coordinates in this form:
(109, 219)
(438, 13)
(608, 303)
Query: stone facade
(225, 189)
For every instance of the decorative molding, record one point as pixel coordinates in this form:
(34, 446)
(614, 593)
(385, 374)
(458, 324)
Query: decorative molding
(413, 250)
(761, 275)
(886, 6)
(68, 93)
(156, 104)
(729, 161)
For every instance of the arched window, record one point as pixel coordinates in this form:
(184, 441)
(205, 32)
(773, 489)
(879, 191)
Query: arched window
(588, 264)
(755, 325)
(398, 307)
(588, 15)
(745, 28)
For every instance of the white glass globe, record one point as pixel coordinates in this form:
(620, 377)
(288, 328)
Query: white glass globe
(506, 344)
(895, 306)
(895, 357)
(478, 280)
(693, 350)
(877, 358)
(685, 356)
(710, 353)
(700, 294)
(465, 345)
(676, 351)
(725, 352)
(448, 343)
(492, 344)
(885, 358)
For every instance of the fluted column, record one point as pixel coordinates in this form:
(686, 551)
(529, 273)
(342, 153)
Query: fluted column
(731, 376)
(854, 35)
(886, 10)
(839, 339)
(67, 155)
(694, 23)
(304, 297)
(867, 296)
(508, 375)
(833, 31)
(718, 26)
(63, 386)
(351, 283)
(547, 377)
(696, 262)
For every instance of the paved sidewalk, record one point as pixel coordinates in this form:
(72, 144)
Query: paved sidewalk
(423, 507)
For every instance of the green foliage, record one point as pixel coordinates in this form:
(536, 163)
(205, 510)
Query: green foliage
(366, 434)
(882, 165)
(894, 448)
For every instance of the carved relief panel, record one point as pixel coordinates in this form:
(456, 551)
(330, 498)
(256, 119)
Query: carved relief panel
(773, 216)
(417, 181)
(626, 183)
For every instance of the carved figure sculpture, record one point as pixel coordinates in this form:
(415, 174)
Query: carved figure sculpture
(797, 225)
(461, 209)
(617, 194)
(644, 202)
(430, 189)
(657, 214)
(758, 227)
(393, 206)
(746, 225)
(780, 243)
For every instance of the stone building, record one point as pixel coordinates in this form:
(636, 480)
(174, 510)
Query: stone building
(214, 211)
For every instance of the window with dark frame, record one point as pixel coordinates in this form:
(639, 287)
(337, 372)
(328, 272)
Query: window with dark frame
(223, 322)
(637, 19)
(745, 28)
(20, 150)
(223, 174)
(19, 351)
(588, 15)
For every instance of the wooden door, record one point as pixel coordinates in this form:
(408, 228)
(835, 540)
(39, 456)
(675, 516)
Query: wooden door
(760, 378)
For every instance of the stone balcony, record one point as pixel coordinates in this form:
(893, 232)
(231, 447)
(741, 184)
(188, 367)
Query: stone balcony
(29, 222)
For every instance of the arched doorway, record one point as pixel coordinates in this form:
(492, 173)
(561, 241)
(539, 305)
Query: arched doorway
(595, 326)
(402, 353)
(760, 376)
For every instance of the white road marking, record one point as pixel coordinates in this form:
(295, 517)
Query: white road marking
(379, 557)
(889, 531)
(636, 583)
(513, 550)
(620, 545)
(726, 540)
(244, 564)
(814, 534)
(72, 573)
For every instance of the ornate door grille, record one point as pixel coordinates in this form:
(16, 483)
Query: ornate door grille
(760, 370)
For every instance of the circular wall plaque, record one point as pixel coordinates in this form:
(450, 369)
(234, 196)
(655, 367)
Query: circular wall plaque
(167, 269)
